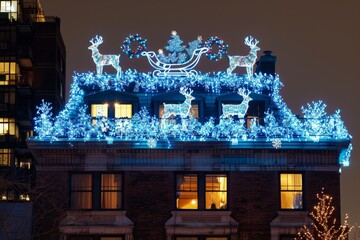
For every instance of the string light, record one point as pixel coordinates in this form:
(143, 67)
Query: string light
(324, 223)
(278, 126)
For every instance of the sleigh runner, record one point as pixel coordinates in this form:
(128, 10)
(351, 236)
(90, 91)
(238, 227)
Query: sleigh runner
(176, 69)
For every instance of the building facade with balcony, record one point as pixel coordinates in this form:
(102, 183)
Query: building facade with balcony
(32, 67)
(182, 156)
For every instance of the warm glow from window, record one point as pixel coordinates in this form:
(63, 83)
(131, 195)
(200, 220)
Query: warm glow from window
(291, 191)
(187, 191)
(249, 119)
(216, 191)
(8, 73)
(24, 197)
(111, 185)
(5, 156)
(8, 127)
(99, 110)
(9, 7)
(123, 110)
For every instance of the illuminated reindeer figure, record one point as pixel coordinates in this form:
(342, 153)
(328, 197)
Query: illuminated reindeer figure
(237, 109)
(182, 109)
(247, 61)
(103, 60)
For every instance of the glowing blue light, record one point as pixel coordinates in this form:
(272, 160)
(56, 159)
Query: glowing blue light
(75, 122)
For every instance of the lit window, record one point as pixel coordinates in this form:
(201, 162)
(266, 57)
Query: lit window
(187, 191)
(250, 119)
(123, 110)
(291, 188)
(8, 127)
(8, 73)
(25, 164)
(24, 197)
(81, 191)
(6, 156)
(111, 194)
(99, 110)
(9, 7)
(216, 191)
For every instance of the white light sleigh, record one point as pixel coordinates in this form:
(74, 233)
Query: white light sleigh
(176, 69)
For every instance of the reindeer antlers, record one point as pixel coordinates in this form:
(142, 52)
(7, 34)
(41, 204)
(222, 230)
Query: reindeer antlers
(250, 41)
(242, 92)
(96, 40)
(185, 91)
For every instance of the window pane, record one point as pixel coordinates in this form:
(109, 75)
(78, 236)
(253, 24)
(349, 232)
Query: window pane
(187, 191)
(111, 195)
(81, 191)
(216, 191)
(291, 191)
(123, 110)
(99, 110)
(6, 156)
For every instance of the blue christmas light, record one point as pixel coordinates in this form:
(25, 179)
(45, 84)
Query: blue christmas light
(75, 122)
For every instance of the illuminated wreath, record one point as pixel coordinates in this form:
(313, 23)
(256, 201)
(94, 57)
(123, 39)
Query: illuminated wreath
(134, 38)
(222, 48)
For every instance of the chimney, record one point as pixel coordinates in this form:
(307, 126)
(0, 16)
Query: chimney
(266, 64)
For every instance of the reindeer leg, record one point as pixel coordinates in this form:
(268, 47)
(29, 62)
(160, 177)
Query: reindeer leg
(230, 69)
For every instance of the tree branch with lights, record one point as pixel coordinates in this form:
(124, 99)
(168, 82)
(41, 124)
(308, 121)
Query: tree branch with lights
(325, 226)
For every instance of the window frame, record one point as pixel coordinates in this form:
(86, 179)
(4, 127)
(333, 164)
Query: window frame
(96, 191)
(201, 191)
(302, 192)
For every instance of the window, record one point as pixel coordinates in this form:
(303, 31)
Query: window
(99, 110)
(8, 73)
(191, 188)
(216, 191)
(123, 110)
(81, 191)
(187, 191)
(8, 127)
(111, 191)
(6, 156)
(291, 191)
(9, 7)
(96, 191)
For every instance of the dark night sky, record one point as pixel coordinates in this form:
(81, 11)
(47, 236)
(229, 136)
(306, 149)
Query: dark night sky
(316, 43)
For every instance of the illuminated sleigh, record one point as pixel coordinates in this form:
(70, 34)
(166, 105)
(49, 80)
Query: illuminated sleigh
(176, 69)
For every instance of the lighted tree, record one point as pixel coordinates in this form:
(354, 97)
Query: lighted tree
(44, 120)
(192, 46)
(324, 224)
(175, 50)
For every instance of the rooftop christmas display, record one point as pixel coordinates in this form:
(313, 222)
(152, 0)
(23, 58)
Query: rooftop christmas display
(175, 70)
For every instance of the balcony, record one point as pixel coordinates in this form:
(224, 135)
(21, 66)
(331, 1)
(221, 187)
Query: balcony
(25, 56)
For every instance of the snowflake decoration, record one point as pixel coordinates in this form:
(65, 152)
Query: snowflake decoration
(276, 143)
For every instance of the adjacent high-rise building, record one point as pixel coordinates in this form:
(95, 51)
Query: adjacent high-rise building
(32, 68)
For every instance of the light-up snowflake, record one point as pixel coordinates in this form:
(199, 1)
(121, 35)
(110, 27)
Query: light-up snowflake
(276, 143)
(278, 125)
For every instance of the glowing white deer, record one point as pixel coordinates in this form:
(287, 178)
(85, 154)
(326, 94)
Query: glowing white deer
(182, 109)
(239, 110)
(247, 61)
(103, 60)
